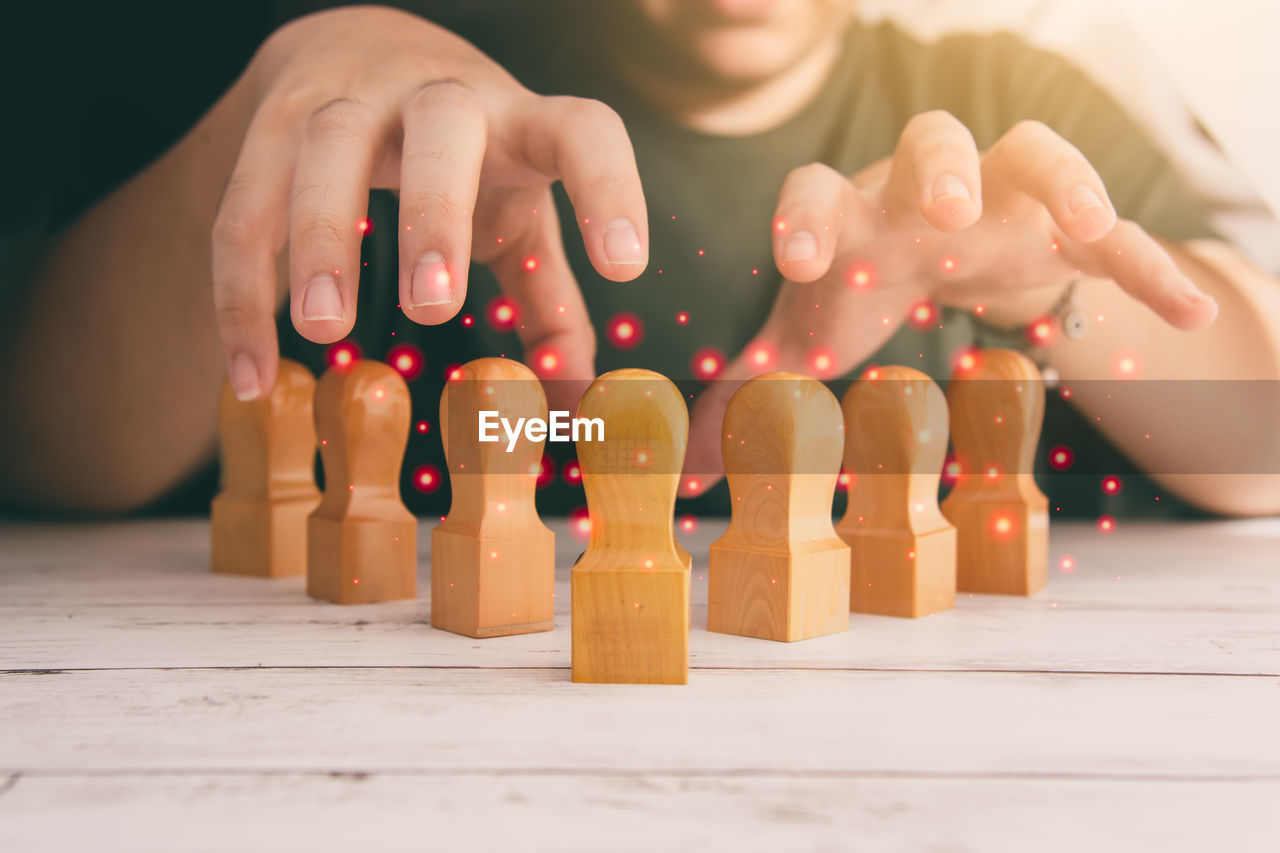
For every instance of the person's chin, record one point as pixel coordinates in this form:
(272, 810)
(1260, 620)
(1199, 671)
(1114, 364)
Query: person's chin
(743, 57)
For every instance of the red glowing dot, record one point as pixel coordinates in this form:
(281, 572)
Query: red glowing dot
(692, 487)
(572, 473)
(872, 373)
(342, 354)
(530, 264)
(861, 276)
(1002, 526)
(1126, 365)
(547, 362)
(423, 427)
(1066, 393)
(364, 226)
(580, 523)
(844, 481)
(707, 363)
(1111, 485)
(1055, 246)
(948, 263)
(1106, 524)
(1040, 332)
(426, 478)
(1061, 457)
(688, 523)
(407, 360)
(467, 321)
(625, 330)
(546, 472)
(966, 361)
(502, 313)
(453, 372)
(682, 318)
(822, 362)
(780, 225)
(951, 470)
(761, 356)
(1067, 563)
(923, 314)
(701, 252)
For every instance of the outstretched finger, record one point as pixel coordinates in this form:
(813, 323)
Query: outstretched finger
(248, 231)
(1140, 265)
(1033, 161)
(584, 144)
(808, 220)
(936, 172)
(444, 145)
(329, 202)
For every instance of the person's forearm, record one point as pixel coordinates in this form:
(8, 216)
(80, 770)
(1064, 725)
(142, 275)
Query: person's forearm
(112, 354)
(1210, 431)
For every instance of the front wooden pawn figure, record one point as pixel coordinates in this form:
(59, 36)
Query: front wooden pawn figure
(780, 572)
(630, 608)
(1001, 516)
(258, 521)
(361, 540)
(903, 550)
(493, 562)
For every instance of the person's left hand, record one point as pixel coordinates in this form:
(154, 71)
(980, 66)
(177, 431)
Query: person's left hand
(938, 223)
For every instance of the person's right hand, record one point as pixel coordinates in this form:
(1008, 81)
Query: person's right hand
(353, 99)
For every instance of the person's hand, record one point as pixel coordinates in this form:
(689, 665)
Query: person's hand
(938, 223)
(353, 99)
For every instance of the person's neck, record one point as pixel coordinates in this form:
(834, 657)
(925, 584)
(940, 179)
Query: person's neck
(725, 110)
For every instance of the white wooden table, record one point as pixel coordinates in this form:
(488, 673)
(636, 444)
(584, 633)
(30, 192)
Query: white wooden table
(148, 705)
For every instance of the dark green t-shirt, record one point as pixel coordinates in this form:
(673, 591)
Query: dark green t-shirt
(711, 201)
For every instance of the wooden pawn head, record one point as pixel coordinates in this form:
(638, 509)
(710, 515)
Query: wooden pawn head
(268, 448)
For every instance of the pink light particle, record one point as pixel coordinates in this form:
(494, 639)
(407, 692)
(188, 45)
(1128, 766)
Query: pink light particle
(625, 330)
(426, 478)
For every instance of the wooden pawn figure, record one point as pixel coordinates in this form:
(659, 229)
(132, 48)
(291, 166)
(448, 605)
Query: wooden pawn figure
(1001, 516)
(780, 572)
(362, 540)
(258, 521)
(903, 550)
(493, 561)
(630, 589)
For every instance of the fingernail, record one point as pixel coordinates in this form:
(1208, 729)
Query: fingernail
(244, 378)
(622, 243)
(321, 299)
(1083, 198)
(950, 188)
(430, 283)
(799, 246)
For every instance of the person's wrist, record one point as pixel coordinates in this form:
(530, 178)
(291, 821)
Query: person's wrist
(1019, 308)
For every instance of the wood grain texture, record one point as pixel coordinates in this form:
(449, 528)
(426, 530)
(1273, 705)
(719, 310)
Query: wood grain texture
(1000, 514)
(361, 540)
(780, 572)
(149, 702)
(259, 517)
(630, 599)
(903, 551)
(493, 567)
(550, 810)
